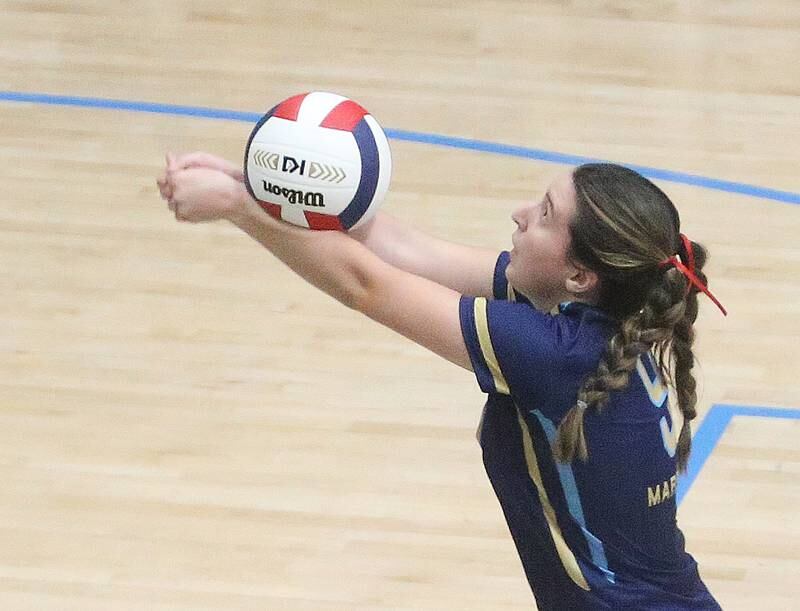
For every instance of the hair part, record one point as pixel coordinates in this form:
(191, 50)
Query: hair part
(624, 227)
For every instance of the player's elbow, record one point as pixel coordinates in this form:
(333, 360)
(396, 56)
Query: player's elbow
(366, 290)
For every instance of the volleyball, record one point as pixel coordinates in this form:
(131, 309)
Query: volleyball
(318, 160)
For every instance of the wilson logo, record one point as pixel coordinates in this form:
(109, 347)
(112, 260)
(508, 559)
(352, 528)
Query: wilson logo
(294, 196)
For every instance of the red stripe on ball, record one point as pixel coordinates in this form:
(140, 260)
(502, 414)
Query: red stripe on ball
(344, 116)
(274, 210)
(289, 108)
(323, 221)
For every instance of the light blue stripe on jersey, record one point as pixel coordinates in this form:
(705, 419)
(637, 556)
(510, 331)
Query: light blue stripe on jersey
(570, 488)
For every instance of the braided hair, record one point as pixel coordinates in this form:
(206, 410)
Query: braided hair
(624, 229)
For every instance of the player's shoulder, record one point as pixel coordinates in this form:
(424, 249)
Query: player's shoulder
(518, 349)
(568, 324)
(585, 320)
(573, 335)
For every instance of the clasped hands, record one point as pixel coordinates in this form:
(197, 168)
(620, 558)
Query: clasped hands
(200, 187)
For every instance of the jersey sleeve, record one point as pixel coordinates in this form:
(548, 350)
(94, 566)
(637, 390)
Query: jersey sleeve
(512, 346)
(500, 283)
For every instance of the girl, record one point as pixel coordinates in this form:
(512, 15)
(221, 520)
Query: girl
(572, 336)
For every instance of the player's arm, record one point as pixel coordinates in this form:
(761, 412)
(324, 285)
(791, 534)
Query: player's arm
(464, 269)
(422, 310)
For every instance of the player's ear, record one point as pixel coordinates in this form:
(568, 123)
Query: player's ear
(582, 282)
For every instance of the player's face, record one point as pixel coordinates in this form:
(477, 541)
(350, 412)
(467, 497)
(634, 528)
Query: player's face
(539, 266)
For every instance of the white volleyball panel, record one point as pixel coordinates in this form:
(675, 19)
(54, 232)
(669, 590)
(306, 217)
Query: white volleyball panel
(294, 215)
(311, 167)
(316, 106)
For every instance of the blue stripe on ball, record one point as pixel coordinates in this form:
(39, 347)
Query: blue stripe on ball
(370, 169)
(253, 132)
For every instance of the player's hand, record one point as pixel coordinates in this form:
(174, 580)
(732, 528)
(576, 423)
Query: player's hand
(195, 160)
(200, 195)
(164, 186)
(207, 160)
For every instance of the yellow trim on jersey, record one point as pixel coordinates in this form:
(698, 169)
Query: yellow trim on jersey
(564, 552)
(512, 296)
(482, 328)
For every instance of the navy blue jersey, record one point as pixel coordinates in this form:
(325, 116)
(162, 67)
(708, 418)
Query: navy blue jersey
(599, 534)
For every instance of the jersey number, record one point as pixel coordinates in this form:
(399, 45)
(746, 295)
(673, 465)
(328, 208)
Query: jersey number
(658, 396)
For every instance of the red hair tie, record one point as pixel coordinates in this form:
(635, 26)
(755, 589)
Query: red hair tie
(688, 271)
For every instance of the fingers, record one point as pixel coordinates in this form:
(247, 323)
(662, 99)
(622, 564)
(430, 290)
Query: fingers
(166, 185)
(200, 159)
(198, 187)
(164, 188)
(165, 182)
(173, 187)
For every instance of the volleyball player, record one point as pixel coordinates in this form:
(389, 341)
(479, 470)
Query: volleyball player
(573, 335)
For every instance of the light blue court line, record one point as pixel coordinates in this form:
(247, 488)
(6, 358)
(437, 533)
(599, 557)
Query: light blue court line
(711, 430)
(787, 197)
(161, 109)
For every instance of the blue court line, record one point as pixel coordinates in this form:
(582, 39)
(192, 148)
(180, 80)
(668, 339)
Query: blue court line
(787, 197)
(109, 104)
(711, 431)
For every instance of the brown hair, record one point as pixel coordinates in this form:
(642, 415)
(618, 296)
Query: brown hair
(624, 227)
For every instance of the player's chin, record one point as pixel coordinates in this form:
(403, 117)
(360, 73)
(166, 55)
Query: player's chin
(510, 272)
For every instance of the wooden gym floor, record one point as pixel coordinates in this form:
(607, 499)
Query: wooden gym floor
(186, 425)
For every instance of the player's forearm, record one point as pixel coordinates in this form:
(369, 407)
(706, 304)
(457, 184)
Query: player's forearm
(396, 242)
(461, 268)
(332, 261)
